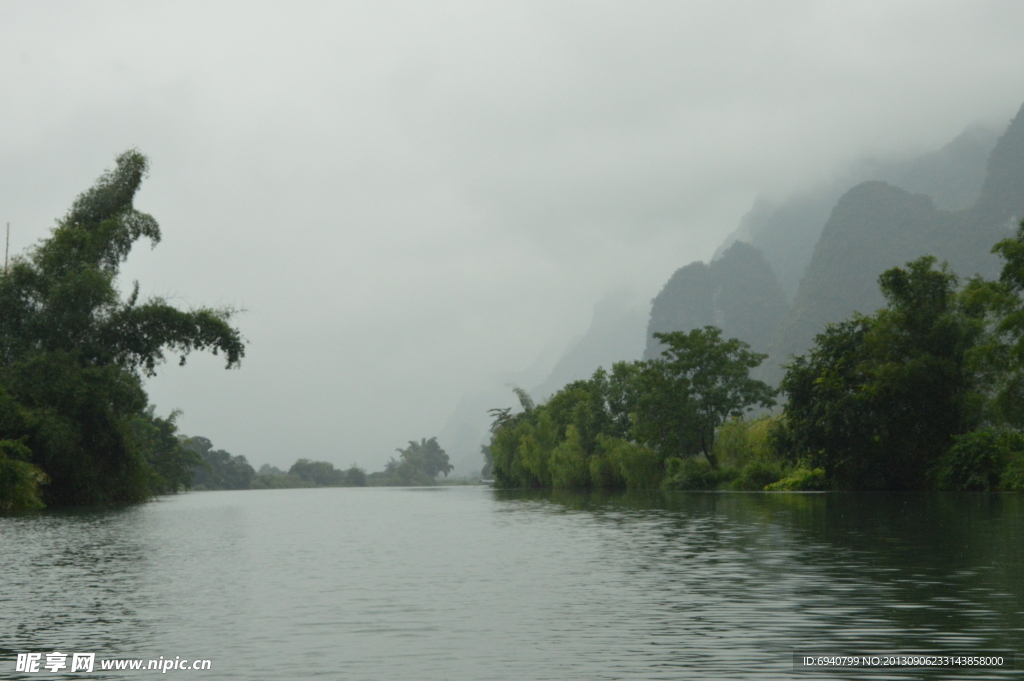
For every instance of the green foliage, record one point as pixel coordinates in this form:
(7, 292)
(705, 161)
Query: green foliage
(569, 467)
(700, 382)
(606, 472)
(1012, 479)
(879, 399)
(1000, 355)
(738, 441)
(419, 464)
(641, 467)
(72, 352)
(271, 477)
(355, 476)
(306, 473)
(690, 473)
(219, 469)
(617, 429)
(977, 460)
(925, 393)
(318, 473)
(398, 473)
(801, 480)
(758, 474)
(742, 450)
(170, 463)
(427, 456)
(20, 481)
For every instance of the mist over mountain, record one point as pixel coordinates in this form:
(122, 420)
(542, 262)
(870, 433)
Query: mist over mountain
(824, 249)
(616, 333)
(787, 231)
(795, 265)
(738, 293)
(875, 226)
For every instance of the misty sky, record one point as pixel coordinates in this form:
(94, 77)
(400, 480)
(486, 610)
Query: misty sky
(410, 199)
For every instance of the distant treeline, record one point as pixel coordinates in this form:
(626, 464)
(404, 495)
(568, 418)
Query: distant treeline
(927, 393)
(76, 426)
(418, 464)
(218, 469)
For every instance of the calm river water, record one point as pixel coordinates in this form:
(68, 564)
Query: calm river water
(472, 583)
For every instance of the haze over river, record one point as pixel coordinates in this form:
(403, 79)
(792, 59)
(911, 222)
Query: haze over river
(474, 583)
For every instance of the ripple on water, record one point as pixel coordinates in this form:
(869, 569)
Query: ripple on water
(470, 583)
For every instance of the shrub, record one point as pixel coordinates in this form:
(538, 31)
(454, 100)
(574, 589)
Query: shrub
(355, 476)
(640, 467)
(1013, 475)
(737, 441)
(690, 474)
(568, 464)
(977, 460)
(801, 480)
(758, 474)
(605, 473)
(19, 480)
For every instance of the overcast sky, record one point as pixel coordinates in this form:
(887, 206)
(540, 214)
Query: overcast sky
(412, 198)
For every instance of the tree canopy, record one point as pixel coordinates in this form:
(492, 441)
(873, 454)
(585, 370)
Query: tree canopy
(73, 350)
(699, 381)
(620, 429)
(922, 394)
(418, 464)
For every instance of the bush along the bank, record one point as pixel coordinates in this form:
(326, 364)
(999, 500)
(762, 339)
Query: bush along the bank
(924, 394)
(643, 425)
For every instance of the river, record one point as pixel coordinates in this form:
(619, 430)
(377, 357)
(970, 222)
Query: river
(473, 583)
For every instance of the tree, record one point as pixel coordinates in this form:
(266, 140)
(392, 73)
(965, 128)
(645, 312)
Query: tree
(1000, 352)
(20, 481)
(355, 476)
(73, 352)
(427, 456)
(618, 428)
(219, 469)
(881, 398)
(171, 464)
(698, 383)
(319, 473)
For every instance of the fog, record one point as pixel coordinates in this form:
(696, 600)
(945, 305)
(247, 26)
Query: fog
(411, 201)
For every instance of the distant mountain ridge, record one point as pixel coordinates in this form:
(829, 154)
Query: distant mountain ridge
(875, 226)
(787, 232)
(822, 250)
(738, 293)
(951, 205)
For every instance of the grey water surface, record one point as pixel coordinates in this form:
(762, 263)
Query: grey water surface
(475, 583)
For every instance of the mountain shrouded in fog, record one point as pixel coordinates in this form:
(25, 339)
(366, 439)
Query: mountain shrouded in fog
(787, 231)
(834, 244)
(738, 293)
(793, 266)
(876, 225)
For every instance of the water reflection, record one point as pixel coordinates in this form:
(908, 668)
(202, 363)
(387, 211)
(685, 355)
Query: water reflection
(875, 572)
(473, 583)
(92, 561)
